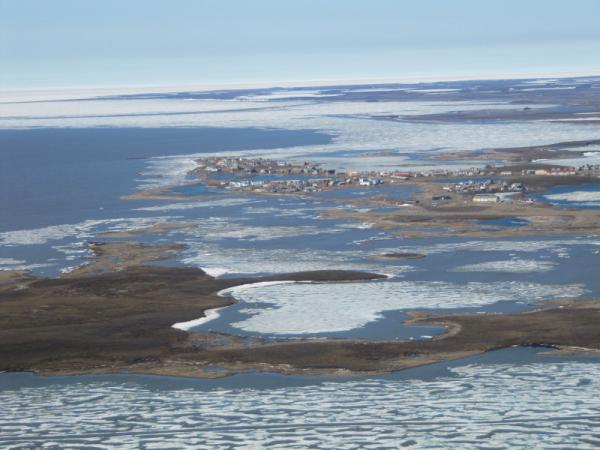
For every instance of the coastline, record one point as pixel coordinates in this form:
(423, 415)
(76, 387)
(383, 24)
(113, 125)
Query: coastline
(124, 317)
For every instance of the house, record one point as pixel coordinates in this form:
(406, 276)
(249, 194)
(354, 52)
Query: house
(401, 175)
(563, 171)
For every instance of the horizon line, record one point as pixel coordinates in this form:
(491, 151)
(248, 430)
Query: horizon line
(231, 86)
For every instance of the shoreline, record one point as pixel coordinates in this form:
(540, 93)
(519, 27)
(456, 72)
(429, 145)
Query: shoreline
(209, 314)
(124, 317)
(213, 313)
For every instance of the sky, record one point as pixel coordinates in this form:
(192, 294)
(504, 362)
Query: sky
(84, 43)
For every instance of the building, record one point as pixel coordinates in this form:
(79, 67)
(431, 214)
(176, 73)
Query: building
(369, 181)
(486, 198)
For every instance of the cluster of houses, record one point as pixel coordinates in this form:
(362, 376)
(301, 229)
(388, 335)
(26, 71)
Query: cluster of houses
(439, 173)
(585, 170)
(560, 171)
(486, 191)
(486, 186)
(299, 185)
(260, 166)
(281, 186)
(263, 166)
(246, 174)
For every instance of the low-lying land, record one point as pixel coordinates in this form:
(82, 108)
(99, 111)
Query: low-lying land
(447, 203)
(456, 214)
(103, 320)
(571, 149)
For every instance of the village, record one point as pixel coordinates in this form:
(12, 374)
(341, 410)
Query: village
(489, 184)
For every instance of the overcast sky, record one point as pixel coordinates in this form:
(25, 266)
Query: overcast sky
(65, 43)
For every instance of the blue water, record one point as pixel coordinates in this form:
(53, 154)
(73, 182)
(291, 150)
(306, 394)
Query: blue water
(505, 222)
(191, 190)
(52, 176)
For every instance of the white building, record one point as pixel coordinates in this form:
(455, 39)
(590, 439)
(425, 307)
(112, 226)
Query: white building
(486, 198)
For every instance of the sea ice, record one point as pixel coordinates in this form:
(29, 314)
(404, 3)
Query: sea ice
(554, 405)
(508, 265)
(302, 308)
(576, 196)
(251, 260)
(82, 230)
(216, 203)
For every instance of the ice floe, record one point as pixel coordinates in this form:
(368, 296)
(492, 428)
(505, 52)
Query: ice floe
(555, 246)
(576, 196)
(218, 228)
(18, 264)
(10, 261)
(252, 260)
(508, 265)
(166, 171)
(81, 230)
(216, 203)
